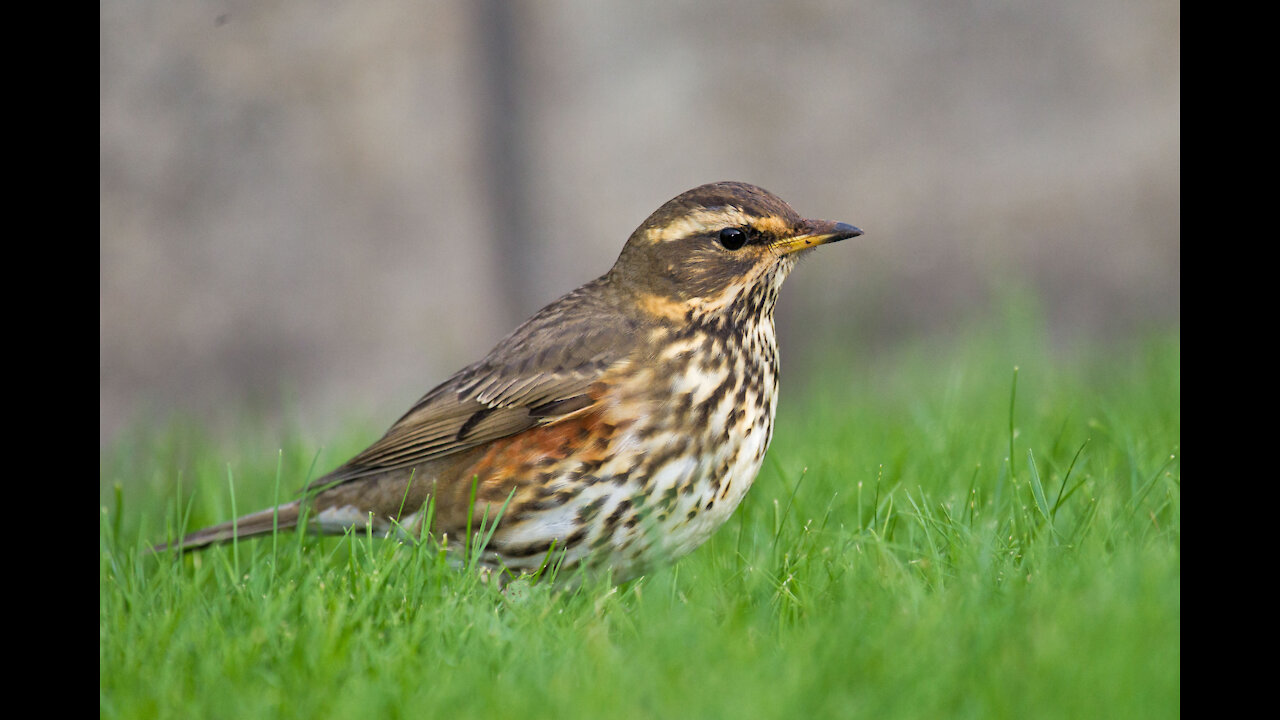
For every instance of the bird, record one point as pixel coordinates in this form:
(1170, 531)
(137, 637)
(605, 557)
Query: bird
(615, 430)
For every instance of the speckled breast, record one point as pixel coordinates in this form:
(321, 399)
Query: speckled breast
(653, 470)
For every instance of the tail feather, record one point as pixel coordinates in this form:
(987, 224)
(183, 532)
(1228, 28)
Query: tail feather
(259, 523)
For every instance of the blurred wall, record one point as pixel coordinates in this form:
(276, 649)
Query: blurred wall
(324, 208)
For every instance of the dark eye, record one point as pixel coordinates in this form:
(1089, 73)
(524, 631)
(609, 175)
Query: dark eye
(732, 238)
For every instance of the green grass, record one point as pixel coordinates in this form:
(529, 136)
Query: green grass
(926, 540)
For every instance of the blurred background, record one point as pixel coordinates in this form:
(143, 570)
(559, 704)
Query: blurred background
(321, 209)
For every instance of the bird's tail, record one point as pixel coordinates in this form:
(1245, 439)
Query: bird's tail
(259, 523)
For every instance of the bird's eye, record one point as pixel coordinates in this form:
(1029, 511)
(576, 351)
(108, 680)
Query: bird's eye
(732, 238)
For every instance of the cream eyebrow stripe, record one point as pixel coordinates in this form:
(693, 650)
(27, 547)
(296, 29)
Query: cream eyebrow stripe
(699, 222)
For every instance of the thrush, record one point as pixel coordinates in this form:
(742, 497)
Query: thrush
(616, 429)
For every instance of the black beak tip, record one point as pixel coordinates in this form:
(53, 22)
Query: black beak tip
(848, 230)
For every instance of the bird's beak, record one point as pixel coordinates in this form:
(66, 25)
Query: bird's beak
(815, 233)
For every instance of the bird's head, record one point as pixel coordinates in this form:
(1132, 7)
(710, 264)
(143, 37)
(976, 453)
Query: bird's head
(712, 245)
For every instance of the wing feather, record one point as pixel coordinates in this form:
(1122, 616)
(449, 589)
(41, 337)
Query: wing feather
(541, 373)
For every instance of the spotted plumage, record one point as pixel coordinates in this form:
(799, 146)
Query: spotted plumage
(617, 428)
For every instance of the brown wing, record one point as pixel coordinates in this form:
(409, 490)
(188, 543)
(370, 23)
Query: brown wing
(538, 375)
